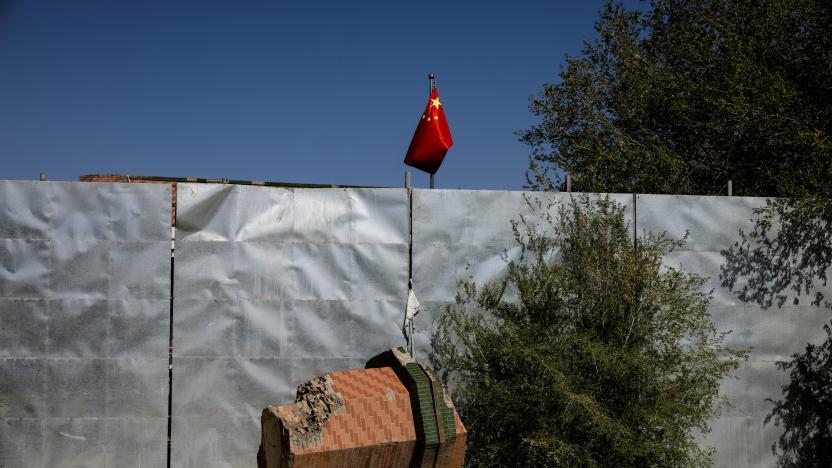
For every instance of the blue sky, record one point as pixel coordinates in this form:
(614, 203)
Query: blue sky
(305, 91)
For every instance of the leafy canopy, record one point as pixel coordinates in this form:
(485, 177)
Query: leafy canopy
(682, 95)
(604, 358)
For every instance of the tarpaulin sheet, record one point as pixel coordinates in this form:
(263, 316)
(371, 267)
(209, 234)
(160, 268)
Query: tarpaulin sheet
(273, 287)
(84, 308)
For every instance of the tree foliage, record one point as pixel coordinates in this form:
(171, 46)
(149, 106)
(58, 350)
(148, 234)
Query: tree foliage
(682, 95)
(806, 410)
(604, 358)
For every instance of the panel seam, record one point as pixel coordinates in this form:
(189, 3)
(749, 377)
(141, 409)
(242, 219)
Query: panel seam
(170, 325)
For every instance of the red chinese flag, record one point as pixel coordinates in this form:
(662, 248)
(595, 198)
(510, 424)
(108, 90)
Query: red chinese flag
(432, 138)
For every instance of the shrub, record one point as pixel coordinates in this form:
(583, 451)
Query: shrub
(604, 358)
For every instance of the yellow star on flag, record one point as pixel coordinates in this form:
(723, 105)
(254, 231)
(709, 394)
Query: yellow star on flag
(435, 102)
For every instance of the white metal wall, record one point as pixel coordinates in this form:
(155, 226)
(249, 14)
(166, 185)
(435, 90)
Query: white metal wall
(467, 234)
(273, 287)
(84, 309)
(771, 335)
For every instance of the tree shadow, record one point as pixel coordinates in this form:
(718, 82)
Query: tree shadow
(785, 255)
(805, 412)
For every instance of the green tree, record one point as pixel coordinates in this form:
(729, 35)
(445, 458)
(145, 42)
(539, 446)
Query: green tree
(806, 410)
(604, 358)
(682, 95)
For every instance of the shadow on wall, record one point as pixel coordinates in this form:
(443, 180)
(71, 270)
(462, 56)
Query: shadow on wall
(785, 257)
(805, 412)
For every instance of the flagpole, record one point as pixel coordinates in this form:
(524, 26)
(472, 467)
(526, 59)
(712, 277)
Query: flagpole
(431, 85)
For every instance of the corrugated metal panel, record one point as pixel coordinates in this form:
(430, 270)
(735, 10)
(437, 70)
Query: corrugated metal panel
(84, 302)
(273, 287)
(713, 224)
(468, 235)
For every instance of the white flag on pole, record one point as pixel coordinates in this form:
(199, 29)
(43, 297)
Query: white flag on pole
(413, 306)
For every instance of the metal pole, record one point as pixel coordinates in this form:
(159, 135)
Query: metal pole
(431, 85)
(407, 179)
(730, 188)
(635, 221)
(568, 183)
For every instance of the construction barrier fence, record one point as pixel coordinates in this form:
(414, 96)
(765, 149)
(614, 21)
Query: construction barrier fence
(258, 289)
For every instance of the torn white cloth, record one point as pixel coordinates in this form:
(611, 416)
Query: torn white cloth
(413, 306)
(412, 309)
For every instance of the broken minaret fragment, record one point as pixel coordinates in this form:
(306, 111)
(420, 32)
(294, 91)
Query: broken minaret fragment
(440, 435)
(394, 413)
